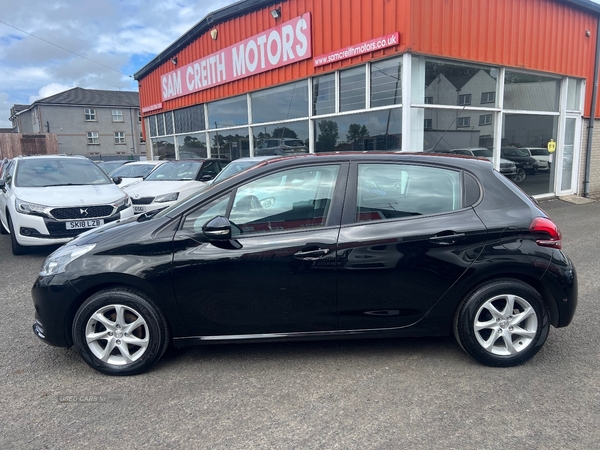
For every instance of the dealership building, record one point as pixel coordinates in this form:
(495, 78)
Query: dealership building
(386, 75)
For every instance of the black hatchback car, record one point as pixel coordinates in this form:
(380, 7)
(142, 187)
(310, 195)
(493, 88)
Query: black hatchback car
(314, 247)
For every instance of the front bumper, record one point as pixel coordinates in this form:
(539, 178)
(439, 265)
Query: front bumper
(55, 302)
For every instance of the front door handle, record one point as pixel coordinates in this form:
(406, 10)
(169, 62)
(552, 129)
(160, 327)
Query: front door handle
(446, 239)
(311, 255)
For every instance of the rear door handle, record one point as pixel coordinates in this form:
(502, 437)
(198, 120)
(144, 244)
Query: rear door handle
(311, 255)
(446, 239)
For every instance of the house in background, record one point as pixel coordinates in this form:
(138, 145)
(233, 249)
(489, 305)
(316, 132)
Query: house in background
(94, 123)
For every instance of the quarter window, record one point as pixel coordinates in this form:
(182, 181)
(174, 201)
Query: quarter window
(90, 114)
(92, 138)
(395, 191)
(117, 115)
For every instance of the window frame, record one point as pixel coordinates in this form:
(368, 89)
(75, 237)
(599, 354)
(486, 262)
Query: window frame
(483, 121)
(93, 138)
(463, 122)
(91, 112)
(115, 113)
(464, 99)
(119, 137)
(485, 97)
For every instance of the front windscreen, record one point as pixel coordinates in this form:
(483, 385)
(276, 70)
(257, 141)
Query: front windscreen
(176, 171)
(133, 171)
(484, 153)
(44, 172)
(234, 167)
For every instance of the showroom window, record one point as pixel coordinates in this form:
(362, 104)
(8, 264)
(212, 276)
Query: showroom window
(160, 124)
(352, 89)
(188, 120)
(386, 82)
(323, 93)
(117, 115)
(168, 122)
(89, 114)
(192, 146)
(163, 147)
(229, 144)
(92, 138)
(532, 92)
(289, 101)
(228, 113)
(288, 137)
(373, 130)
(152, 125)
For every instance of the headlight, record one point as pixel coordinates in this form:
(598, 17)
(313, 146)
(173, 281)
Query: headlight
(57, 261)
(167, 197)
(30, 208)
(122, 203)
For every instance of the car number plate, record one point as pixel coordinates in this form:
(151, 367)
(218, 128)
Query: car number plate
(80, 224)
(139, 209)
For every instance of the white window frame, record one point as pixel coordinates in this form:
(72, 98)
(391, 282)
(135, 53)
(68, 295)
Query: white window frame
(115, 115)
(462, 97)
(93, 138)
(483, 119)
(463, 122)
(119, 137)
(487, 97)
(91, 112)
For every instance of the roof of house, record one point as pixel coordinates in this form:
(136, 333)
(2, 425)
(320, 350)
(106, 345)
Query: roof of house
(92, 97)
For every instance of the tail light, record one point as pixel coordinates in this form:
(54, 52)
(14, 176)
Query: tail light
(546, 226)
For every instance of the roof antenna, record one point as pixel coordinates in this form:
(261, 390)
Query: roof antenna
(449, 126)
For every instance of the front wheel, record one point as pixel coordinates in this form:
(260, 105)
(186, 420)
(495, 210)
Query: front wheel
(119, 332)
(519, 176)
(17, 249)
(503, 323)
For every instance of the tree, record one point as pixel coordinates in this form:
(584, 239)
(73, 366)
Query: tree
(284, 132)
(356, 132)
(328, 136)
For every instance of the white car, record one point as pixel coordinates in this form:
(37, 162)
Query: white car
(134, 172)
(171, 182)
(541, 155)
(47, 200)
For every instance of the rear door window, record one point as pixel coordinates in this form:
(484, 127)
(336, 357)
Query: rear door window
(393, 191)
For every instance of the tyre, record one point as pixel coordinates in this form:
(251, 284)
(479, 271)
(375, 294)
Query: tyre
(17, 248)
(502, 323)
(519, 176)
(120, 332)
(2, 229)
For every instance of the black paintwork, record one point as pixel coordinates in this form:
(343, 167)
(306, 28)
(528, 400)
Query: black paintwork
(403, 277)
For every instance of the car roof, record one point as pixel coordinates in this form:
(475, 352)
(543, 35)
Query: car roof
(149, 161)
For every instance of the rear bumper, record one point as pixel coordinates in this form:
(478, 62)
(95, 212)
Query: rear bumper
(561, 281)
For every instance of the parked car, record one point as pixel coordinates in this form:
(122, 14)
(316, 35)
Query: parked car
(109, 166)
(522, 160)
(134, 172)
(541, 155)
(275, 146)
(3, 165)
(239, 165)
(48, 200)
(364, 245)
(507, 167)
(172, 181)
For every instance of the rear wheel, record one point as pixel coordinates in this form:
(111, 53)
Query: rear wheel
(119, 332)
(17, 248)
(519, 176)
(503, 323)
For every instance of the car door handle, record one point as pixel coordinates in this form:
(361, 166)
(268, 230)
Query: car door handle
(311, 255)
(446, 239)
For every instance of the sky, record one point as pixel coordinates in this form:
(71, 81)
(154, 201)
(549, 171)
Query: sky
(121, 35)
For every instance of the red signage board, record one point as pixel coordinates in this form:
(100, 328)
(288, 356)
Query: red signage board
(358, 49)
(279, 46)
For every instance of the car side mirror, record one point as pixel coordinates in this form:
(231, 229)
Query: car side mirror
(217, 229)
(117, 180)
(218, 232)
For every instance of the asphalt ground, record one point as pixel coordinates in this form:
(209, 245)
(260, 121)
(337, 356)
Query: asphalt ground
(376, 394)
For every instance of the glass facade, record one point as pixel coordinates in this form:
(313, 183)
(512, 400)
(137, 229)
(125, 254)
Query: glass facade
(405, 103)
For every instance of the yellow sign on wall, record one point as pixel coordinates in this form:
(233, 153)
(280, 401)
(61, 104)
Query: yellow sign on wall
(551, 146)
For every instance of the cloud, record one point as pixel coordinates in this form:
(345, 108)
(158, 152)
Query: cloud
(121, 36)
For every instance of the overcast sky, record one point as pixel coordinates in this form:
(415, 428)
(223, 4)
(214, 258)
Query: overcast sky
(120, 34)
